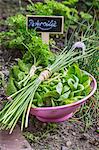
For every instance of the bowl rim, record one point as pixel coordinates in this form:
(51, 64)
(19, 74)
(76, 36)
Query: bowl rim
(74, 103)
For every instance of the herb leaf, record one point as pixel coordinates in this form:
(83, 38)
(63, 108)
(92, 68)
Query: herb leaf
(59, 88)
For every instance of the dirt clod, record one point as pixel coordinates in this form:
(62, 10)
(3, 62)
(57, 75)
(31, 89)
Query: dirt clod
(84, 137)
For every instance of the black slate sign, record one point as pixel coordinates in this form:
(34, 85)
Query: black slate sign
(50, 24)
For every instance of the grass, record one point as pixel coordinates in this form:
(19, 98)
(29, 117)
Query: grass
(92, 65)
(42, 133)
(89, 113)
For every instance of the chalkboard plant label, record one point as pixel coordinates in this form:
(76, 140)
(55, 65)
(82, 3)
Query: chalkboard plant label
(49, 24)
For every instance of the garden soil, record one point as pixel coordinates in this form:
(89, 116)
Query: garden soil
(68, 135)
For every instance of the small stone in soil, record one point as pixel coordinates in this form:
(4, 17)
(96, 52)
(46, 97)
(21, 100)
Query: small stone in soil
(64, 148)
(44, 124)
(73, 133)
(68, 143)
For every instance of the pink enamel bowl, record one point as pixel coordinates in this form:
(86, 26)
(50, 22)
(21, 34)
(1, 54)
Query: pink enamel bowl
(64, 112)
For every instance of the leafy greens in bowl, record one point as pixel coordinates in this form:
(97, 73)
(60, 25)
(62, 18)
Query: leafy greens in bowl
(65, 87)
(63, 112)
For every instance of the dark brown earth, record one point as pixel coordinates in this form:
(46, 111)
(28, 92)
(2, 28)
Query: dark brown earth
(68, 135)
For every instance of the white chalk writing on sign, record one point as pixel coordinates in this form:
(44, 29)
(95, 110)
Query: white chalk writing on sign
(42, 25)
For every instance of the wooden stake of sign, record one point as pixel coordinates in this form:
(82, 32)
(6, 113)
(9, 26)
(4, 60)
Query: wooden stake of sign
(46, 25)
(45, 37)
